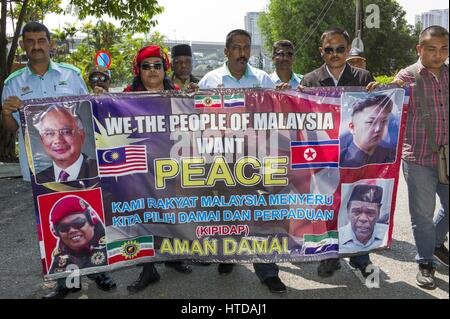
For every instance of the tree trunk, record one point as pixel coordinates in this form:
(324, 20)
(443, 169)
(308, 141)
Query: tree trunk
(8, 139)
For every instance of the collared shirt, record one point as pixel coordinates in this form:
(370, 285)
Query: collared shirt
(350, 77)
(416, 148)
(294, 82)
(181, 84)
(60, 80)
(336, 81)
(73, 170)
(221, 77)
(349, 244)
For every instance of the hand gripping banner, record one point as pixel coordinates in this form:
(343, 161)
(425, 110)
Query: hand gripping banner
(232, 176)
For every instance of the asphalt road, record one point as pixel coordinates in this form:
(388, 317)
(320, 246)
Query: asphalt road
(20, 266)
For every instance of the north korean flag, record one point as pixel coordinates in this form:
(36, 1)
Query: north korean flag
(315, 154)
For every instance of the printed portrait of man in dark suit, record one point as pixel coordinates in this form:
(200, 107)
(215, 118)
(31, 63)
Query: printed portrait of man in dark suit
(62, 136)
(368, 126)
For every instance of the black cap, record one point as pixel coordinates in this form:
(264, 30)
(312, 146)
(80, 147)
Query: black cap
(367, 193)
(356, 53)
(181, 50)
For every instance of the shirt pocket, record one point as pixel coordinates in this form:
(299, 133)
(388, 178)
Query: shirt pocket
(63, 90)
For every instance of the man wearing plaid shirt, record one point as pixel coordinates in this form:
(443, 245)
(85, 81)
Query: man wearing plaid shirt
(419, 162)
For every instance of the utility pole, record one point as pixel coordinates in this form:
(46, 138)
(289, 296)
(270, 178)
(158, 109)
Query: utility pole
(359, 26)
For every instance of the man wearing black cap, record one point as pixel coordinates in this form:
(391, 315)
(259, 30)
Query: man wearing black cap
(182, 66)
(357, 59)
(368, 126)
(363, 232)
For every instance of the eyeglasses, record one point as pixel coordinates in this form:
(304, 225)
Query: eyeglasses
(76, 224)
(338, 50)
(283, 54)
(149, 66)
(98, 78)
(64, 132)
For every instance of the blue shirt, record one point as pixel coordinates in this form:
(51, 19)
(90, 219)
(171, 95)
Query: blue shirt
(60, 80)
(294, 82)
(349, 244)
(221, 77)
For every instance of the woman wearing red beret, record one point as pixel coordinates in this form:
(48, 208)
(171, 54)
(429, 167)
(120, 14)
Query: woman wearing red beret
(150, 74)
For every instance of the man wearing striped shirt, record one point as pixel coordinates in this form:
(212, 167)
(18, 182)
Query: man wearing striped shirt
(419, 162)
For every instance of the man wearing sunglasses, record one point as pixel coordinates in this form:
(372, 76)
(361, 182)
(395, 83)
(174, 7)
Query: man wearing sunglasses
(335, 48)
(283, 56)
(62, 136)
(80, 238)
(99, 79)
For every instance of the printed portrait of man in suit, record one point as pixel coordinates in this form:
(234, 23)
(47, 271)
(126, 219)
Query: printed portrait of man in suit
(63, 137)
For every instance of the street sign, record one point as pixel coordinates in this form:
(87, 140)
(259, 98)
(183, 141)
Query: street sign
(103, 58)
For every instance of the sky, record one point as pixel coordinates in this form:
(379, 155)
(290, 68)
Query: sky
(211, 20)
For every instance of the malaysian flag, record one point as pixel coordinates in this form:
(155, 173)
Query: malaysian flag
(315, 154)
(123, 160)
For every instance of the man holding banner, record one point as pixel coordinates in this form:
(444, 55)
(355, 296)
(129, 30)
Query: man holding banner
(237, 73)
(335, 48)
(42, 78)
(419, 160)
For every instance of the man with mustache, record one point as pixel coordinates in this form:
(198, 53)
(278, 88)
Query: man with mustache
(283, 56)
(335, 48)
(363, 232)
(42, 78)
(368, 126)
(237, 73)
(181, 55)
(62, 137)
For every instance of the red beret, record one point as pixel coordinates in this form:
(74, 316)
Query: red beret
(147, 52)
(66, 206)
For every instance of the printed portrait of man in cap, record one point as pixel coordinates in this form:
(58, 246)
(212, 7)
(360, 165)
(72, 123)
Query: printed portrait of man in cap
(368, 126)
(63, 138)
(364, 231)
(80, 235)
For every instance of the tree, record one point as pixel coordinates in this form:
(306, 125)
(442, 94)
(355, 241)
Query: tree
(387, 48)
(134, 15)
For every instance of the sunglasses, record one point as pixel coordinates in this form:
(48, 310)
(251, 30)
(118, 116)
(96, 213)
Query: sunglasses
(98, 78)
(64, 132)
(149, 66)
(76, 224)
(283, 54)
(338, 50)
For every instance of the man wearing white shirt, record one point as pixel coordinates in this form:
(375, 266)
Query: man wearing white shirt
(283, 56)
(236, 73)
(62, 137)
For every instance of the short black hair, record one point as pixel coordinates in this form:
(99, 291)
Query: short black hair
(35, 27)
(282, 43)
(236, 32)
(381, 99)
(434, 31)
(333, 32)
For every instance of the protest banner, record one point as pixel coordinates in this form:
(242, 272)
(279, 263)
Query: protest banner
(241, 175)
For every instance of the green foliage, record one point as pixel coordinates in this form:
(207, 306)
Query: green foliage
(121, 45)
(384, 79)
(37, 9)
(389, 48)
(134, 15)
